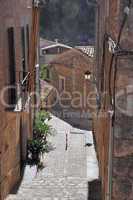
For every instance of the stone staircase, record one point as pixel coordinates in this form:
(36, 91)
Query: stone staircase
(53, 189)
(65, 175)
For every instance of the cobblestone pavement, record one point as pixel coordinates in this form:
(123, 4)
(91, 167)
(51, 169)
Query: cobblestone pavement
(66, 173)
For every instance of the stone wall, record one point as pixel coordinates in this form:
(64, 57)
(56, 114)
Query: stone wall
(73, 69)
(10, 152)
(115, 166)
(17, 15)
(13, 146)
(14, 125)
(73, 104)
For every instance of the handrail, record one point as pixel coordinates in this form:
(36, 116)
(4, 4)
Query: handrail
(25, 79)
(49, 94)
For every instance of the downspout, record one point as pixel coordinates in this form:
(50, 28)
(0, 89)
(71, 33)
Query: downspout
(37, 81)
(110, 155)
(33, 60)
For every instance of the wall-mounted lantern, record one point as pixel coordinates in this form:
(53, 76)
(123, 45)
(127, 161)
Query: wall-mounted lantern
(88, 75)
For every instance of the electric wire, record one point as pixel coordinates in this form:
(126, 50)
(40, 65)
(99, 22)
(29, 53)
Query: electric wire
(113, 55)
(116, 60)
(114, 87)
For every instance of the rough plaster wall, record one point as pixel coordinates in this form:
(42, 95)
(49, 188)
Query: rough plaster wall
(123, 135)
(10, 152)
(12, 14)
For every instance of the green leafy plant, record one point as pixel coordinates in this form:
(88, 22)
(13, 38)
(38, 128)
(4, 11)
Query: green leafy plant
(44, 72)
(41, 128)
(36, 148)
(38, 145)
(43, 116)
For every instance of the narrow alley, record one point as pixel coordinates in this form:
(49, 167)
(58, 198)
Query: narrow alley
(66, 100)
(66, 173)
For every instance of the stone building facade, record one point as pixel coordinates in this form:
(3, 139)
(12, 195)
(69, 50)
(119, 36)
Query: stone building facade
(15, 118)
(67, 76)
(113, 121)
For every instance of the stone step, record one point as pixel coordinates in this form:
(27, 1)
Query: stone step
(14, 197)
(48, 194)
(61, 187)
(53, 182)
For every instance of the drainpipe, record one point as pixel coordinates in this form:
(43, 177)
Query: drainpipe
(38, 61)
(39, 4)
(110, 160)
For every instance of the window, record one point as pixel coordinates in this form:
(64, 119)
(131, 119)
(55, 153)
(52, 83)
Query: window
(61, 83)
(12, 67)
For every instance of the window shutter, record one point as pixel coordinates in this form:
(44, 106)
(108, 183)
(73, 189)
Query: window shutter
(12, 67)
(27, 40)
(23, 51)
